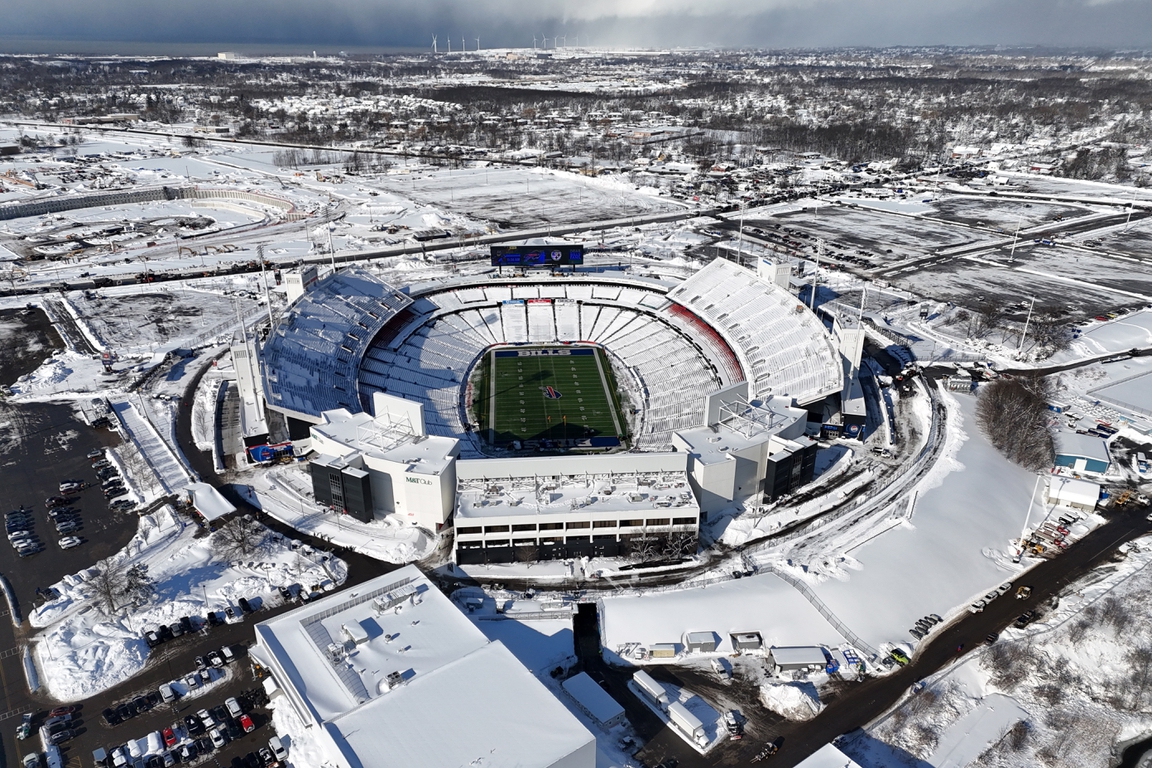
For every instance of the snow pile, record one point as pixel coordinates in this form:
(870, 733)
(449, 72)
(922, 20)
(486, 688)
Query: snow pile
(303, 745)
(792, 701)
(82, 651)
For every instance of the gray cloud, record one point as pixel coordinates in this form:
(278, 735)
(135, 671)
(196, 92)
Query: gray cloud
(641, 23)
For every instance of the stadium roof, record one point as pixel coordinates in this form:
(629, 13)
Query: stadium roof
(609, 484)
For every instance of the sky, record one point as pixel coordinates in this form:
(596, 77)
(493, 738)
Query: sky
(388, 24)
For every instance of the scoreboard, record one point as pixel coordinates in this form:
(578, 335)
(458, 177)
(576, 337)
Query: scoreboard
(546, 255)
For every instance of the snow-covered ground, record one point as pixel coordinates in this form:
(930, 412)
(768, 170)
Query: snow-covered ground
(1076, 679)
(80, 651)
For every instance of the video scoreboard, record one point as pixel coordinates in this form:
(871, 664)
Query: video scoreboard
(546, 255)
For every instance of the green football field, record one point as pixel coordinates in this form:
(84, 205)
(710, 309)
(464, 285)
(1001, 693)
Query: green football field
(564, 394)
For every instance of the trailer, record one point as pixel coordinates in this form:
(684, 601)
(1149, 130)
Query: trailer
(687, 722)
(653, 690)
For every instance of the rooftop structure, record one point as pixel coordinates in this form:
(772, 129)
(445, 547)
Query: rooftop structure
(375, 668)
(312, 356)
(1082, 453)
(744, 450)
(783, 347)
(570, 506)
(387, 463)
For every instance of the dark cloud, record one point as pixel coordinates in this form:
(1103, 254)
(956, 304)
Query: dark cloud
(640, 23)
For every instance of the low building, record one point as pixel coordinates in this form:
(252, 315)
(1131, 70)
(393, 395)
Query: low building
(828, 756)
(797, 657)
(1068, 492)
(594, 701)
(371, 671)
(387, 464)
(746, 641)
(555, 507)
(1082, 453)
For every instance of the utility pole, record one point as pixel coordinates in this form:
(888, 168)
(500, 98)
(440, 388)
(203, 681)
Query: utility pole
(1015, 237)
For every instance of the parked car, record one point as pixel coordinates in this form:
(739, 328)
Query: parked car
(68, 542)
(215, 659)
(233, 706)
(193, 724)
(206, 718)
(217, 738)
(245, 605)
(246, 723)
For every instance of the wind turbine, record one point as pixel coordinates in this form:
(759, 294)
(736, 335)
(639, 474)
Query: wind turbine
(543, 42)
(449, 43)
(477, 43)
(463, 44)
(533, 42)
(434, 44)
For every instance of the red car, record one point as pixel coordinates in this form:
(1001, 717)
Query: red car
(61, 711)
(247, 724)
(169, 737)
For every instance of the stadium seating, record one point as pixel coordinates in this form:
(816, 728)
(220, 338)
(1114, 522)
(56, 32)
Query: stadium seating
(783, 348)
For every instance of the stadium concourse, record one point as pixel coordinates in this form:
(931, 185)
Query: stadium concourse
(722, 364)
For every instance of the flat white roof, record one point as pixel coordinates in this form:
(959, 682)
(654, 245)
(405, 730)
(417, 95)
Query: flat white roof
(1086, 446)
(828, 756)
(425, 636)
(425, 687)
(377, 436)
(753, 426)
(799, 654)
(485, 709)
(208, 501)
(1073, 491)
(588, 693)
(611, 485)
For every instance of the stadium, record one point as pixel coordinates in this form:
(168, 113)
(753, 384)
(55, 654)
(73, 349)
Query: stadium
(599, 380)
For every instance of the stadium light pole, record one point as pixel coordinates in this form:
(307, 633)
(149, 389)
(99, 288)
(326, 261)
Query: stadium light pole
(1027, 320)
(740, 236)
(816, 273)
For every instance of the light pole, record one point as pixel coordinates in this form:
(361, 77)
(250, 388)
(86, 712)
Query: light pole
(1027, 320)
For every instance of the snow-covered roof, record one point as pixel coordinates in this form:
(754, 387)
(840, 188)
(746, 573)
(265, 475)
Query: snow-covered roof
(312, 356)
(589, 695)
(1086, 446)
(783, 347)
(607, 483)
(500, 716)
(741, 429)
(1072, 491)
(385, 439)
(828, 756)
(411, 657)
(799, 655)
(208, 501)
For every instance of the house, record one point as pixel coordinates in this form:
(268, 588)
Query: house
(1079, 495)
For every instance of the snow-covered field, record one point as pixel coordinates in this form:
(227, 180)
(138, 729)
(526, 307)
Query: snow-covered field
(80, 650)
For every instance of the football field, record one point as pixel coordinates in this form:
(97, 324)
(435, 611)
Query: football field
(560, 394)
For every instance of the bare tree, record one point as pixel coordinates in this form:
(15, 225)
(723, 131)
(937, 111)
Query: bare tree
(107, 587)
(1014, 415)
(238, 537)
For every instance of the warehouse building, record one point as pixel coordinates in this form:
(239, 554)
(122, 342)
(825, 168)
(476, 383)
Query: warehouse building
(373, 672)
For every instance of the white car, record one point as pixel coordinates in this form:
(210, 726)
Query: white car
(977, 606)
(233, 707)
(68, 542)
(218, 739)
(1004, 588)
